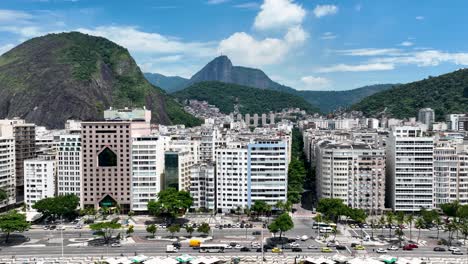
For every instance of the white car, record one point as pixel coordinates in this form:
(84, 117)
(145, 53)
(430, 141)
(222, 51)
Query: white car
(298, 238)
(78, 226)
(312, 247)
(304, 238)
(115, 245)
(381, 250)
(393, 248)
(61, 228)
(228, 247)
(453, 249)
(238, 246)
(294, 244)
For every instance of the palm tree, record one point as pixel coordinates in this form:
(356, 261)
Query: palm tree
(419, 224)
(399, 233)
(372, 225)
(451, 228)
(382, 222)
(409, 220)
(390, 220)
(438, 223)
(318, 219)
(464, 230)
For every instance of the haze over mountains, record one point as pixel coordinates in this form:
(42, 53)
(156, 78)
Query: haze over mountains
(221, 70)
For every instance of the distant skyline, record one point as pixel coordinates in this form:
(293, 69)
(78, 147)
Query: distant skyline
(305, 44)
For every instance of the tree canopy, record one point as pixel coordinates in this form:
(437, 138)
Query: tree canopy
(105, 229)
(282, 223)
(59, 206)
(170, 202)
(13, 222)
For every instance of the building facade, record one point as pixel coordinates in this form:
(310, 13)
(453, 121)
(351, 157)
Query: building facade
(39, 180)
(203, 186)
(69, 165)
(7, 171)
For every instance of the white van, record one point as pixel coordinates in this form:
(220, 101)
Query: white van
(326, 229)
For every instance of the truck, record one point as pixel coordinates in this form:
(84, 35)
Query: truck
(171, 249)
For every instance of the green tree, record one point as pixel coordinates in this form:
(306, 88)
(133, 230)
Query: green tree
(332, 208)
(152, 229)
(131, 213)
(59, 206)
(173, 229)
(382, 222)
(399, 233)
(170, 202)
(260, 207)
(359, 216)
(273, 228)
(419, 224)
(451, 228)
(130, 230)
(204, 228)
(105, 229)
(13, 222)
(189, 229)
(450, 209)
(438, 223)
(3, 195)
(409, 220)
(318, 219)
(284, 223)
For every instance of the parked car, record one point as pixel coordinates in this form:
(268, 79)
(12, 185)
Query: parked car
(439, 249)
(340, 247)
(453, 249)
(245, 249)
(115, 245)
(238, 246)
(312, 247)
(457, 252)
(294, 244)
(381, 250)
(304, 238)
(296, 249)
(256, 233)
(259, 249)
(413, 245)
(233, 244)
(359, 247)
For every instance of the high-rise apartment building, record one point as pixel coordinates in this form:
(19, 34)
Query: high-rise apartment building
(39, 180)
(25, 148)
(246, 172)
(203, 186)
(7, 170)
(352, 172)
(426, 116)
(410, 161)
(147, 170)
(69, 165)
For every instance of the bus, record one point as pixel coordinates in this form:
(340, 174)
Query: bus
(212, 248)
(316, 225)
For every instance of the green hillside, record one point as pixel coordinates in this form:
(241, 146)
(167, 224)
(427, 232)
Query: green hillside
(50, 79)
(250, 100)
(446, 94)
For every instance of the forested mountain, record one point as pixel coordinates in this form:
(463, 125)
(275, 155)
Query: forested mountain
(221, 69)
(169, 83)
(50, 79)
(250, 100)
(446, 94)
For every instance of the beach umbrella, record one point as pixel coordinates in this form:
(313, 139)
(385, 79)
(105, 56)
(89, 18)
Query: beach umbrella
(184, 258)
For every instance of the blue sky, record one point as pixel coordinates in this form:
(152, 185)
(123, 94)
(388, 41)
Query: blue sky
(306, 44)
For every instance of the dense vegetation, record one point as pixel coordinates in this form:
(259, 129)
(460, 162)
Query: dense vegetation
(445, 94)
(328, 101)
(50, 79)
(250, 100)
(170, 84)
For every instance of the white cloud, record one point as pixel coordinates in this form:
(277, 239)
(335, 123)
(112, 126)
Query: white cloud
(357, 68)
(25, 31)
(248, 5)
(279, 14)
(325, 10)
(420, 18)
(6, 48)
(13, 16)
(427, 58)
(216, 2)
(328, 36)
(406, 44)
(145, 42)
(369, 52)
(315, 83)
(249, 51)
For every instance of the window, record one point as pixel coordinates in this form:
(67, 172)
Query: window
(107, 158)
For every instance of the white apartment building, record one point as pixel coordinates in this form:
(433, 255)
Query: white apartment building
(39, 180)
(177, 164)
(203, 186)
(69, 165)
(352, 172)
(7, 170)
(410, 173)
(450, 173)
(246, 172)
(147, 170)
